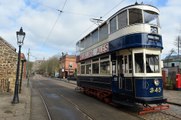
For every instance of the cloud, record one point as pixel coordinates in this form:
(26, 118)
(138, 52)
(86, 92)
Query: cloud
(170, 19)
(38, 17)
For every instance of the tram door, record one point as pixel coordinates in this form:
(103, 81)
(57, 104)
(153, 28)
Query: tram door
(120, 72)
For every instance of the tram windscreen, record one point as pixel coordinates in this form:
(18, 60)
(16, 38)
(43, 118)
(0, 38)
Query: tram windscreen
(135, 16)
(139, 64)
(152, 63)
(151, 17)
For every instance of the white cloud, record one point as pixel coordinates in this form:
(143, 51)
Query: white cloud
(38, 16)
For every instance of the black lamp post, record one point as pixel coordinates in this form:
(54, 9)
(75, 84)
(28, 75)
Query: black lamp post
(22, 70)
(20, 39)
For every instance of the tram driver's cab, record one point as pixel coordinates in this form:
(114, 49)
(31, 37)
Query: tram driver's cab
(137, 70)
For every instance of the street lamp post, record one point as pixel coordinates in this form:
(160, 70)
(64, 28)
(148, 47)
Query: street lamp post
(22, 70)
(20, 39)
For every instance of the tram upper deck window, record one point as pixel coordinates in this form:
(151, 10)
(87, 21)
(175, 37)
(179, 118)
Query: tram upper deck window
(152, 63)
(103, 32)
(135, 16)
(113, 25)
(95, 37)
(122, 19)
(139, 64)
(82, 42)
(151, 17)
(78, 48)
(88, 41)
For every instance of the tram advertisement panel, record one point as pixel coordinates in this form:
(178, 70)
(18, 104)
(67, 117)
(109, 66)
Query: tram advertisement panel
(96, 51)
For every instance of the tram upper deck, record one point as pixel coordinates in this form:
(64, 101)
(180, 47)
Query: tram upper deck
(133, 19)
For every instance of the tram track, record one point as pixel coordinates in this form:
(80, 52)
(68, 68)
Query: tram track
(77, 107)
(44, 103)
(81, 110)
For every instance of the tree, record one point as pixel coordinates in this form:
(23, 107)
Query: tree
(177, 43)
(50, 66)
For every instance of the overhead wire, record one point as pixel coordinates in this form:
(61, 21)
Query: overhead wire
(60, 12)
(103, 16)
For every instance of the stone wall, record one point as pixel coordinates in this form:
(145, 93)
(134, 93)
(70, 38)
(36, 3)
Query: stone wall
(8, 60)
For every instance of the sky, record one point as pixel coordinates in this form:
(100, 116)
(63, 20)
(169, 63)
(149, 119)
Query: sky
(54, 26)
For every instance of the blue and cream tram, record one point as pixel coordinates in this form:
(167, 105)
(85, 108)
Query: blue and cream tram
(120, 59)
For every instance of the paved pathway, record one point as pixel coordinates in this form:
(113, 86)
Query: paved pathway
(173, 96)
(19, 111)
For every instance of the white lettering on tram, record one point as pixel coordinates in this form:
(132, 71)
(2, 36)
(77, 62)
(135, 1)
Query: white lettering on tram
(96, 51)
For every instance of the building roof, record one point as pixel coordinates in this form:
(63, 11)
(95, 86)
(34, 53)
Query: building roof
(173, 58)
(8, 44)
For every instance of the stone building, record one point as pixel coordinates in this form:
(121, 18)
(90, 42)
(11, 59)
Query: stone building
(8, 60)
(68, 66)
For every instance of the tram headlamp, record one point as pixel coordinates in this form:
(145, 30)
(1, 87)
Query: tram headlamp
(156, 82)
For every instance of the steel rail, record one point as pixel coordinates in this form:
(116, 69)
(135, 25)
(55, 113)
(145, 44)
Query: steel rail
(76, 106)
(44, 103)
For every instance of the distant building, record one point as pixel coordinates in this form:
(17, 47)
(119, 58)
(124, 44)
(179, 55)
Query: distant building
(68, 66)
(172, 61)
(8, 60)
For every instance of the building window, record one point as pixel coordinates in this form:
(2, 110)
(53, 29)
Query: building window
(135, 16)
(173, 64)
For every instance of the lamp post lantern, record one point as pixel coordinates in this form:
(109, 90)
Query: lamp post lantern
(20, 39)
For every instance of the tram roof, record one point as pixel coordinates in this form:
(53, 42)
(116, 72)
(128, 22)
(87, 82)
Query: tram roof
(122, 9)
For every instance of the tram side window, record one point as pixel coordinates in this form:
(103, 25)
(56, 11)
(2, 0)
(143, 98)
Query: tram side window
(103, 32)
(139, 65)
(82, 69)
(135, 16)
(78, 68)
(113, 25)
(95, 66)
(152, 63)
(130, 63)
(122, 19)
(88, 69)
(105, 67)
(125, 65)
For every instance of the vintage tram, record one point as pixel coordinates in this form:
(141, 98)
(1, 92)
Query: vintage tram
(119, 61)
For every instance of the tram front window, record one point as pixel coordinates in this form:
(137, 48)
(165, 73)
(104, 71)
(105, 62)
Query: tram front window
(139, 64)
(151, 17)
(152, 63)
